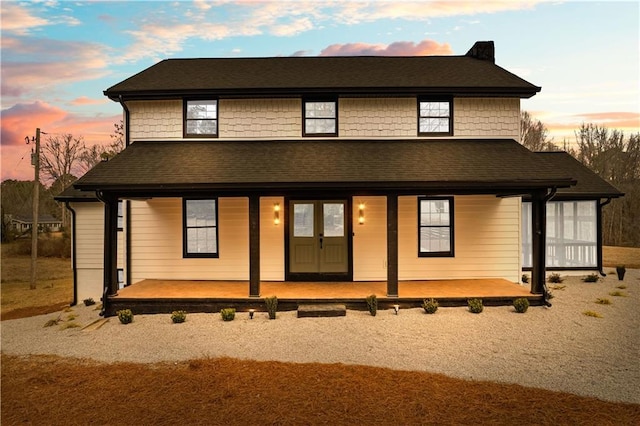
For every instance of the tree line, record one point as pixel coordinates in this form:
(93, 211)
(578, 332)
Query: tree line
(613, 156)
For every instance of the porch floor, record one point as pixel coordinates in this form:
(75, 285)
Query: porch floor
(178, 289)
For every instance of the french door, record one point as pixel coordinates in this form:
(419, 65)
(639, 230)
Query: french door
(319, 240)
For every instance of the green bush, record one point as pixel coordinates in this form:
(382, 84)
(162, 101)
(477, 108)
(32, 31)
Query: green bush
(272, 306)
(125, 316)
(228, 314)
(178, 316)
(88, 302)
(521, 305)
(475, 305)
(555, 278)
(525, 278)
(430, 306)
(372, 304)
(591, 278)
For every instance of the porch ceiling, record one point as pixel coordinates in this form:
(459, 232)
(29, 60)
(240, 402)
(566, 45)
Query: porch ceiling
(464, 288)
(377, 166)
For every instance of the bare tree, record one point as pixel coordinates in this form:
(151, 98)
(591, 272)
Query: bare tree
(534, 134)
(92, 155)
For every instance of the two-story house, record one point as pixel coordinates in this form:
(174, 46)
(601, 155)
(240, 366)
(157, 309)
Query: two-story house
(354, 170)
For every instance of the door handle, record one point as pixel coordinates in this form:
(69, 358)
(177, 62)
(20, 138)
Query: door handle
(320, 243)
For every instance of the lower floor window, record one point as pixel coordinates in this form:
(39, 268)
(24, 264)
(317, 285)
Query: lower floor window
(435, 227)
(200, 225)
(572, 234)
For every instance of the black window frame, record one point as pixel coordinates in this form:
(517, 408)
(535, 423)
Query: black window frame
(451, 227)
(450, 117)
(304, 117)
(185, 228)
(185, 104)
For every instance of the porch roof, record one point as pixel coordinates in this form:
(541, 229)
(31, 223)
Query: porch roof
(493, 166)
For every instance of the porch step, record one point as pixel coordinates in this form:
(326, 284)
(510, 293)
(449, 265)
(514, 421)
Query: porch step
(322, 310)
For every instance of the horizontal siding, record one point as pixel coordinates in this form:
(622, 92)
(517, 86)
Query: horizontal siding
(370, 240)
(271, 240)
(89, 236)
(157, 253)
(487, 240)
(89, 284)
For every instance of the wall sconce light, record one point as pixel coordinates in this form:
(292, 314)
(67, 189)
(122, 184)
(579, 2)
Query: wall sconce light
(396, 308)
(251, 311)
(276, 214)
(361, 214)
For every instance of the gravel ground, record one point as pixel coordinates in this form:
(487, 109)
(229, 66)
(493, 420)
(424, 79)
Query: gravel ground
(556, 348)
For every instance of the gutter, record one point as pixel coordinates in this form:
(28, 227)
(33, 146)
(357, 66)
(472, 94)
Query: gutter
(74, 262)
(127, 115)
(599, 236)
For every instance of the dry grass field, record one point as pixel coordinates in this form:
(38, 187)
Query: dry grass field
(53, 390)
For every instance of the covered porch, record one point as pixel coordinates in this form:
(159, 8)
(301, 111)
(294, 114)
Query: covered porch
(164, 296)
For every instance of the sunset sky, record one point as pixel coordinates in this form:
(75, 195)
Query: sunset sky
(59, 56)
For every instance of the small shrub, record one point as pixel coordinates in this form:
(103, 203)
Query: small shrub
(475, 305)
(603, 301)
(67, 309)
(592, 314)
(555, 278)
(125, 316)
(88, 302)
(525, 278)
(272, 306)
(372, 304)
(621, 270)
(618, 293)
(71, 324)
(557, 287)
(591, 278)
(178, 316)
(71, 317)
(430, 306)
(54, 321)
(228, 314)
(621, 286)
(521, 305)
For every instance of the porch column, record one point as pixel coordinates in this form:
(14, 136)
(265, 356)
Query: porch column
(254, 246)
(539, 241)
(110, 245)
(392, 245)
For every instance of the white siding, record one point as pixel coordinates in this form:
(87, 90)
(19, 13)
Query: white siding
(370, 240)
(487, 238)
(377, 117)
(487, 117)
(260, 118)
(157, 252)
(271, 240)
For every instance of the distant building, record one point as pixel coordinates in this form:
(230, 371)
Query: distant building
(24, 223)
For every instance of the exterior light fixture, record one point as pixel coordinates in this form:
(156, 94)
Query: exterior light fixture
(251, 311)
(396, 308)
(361, 214)
(276, 214)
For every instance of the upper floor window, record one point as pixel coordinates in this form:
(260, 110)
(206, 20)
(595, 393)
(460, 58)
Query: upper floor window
(201, 118)
(200, 228)
(435, 118)
(435, 227)
(320, 118)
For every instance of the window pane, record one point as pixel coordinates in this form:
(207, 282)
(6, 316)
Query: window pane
(202, 109)
(435, 240)
(320, 125)
(433, 125)
(201, 240)
(333, 216)
(320, 109)
(434, 109)
(202, 127)
(120, 215)
(434, 212)
(303, 220)
(201, 212)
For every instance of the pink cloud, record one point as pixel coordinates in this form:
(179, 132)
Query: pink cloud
(18, 20)
(398, 48)
(84, 100)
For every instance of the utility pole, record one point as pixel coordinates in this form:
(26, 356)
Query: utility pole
(35, 160)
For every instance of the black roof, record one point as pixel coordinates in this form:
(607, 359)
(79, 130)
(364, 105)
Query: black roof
(352, 75)
(375, 166)
(589, 186)
(72, 194)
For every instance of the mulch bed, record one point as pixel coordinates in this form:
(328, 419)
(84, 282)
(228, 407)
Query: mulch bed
(53, 390)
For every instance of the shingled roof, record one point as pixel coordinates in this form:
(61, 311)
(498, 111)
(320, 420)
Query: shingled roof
(450, 75)
(374, 166)
(589, 185)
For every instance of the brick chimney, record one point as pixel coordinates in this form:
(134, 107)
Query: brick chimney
(483, 50)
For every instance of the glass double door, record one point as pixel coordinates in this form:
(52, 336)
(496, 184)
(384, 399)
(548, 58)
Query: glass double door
(318, 239)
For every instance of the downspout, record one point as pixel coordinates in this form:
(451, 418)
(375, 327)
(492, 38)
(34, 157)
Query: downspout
(105, 290)
(545, 289)
(74, 263)
(127, 115)
(599, 236)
